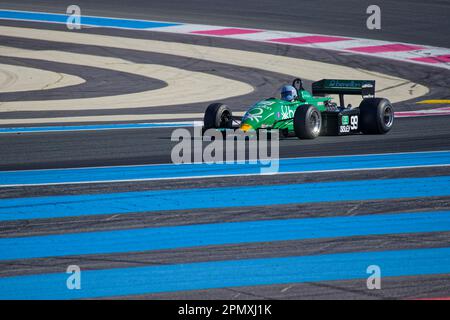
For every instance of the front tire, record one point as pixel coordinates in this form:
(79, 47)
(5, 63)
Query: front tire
(307, 122)
(376, 115)
(217, 115)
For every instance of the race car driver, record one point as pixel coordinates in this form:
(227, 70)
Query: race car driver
(288, 93)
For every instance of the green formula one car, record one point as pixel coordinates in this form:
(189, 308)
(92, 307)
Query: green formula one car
(306, 116)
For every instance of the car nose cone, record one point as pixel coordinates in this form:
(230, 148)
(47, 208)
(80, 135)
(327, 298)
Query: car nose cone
(246, 127)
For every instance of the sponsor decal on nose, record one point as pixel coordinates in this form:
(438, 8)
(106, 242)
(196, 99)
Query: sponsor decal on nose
(246, 127)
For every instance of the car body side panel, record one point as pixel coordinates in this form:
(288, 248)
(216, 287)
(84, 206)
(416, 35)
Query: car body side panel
(277, 114)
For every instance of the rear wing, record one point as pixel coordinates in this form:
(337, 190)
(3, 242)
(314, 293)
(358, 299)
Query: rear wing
(365, 88)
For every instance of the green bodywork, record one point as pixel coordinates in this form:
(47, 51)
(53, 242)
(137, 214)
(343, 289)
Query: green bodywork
(278, 114)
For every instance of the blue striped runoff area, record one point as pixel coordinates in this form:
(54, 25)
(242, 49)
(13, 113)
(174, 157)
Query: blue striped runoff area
(160, 238)
(234, 273)
(207, 198)
(200, 170)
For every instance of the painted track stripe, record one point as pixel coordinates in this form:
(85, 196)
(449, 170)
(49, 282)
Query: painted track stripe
(226, 31)
(85, 20)
(134, 240)
(423, 113)
(209, 275)
(411, 114)
(387, 48)
(309, 39)
(225, 197)
(435, 101)
(437, 298)
(201, 170)
(434, 59)
(97, 127)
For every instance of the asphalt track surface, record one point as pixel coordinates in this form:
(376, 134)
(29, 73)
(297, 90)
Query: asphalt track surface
(411, 21)
(153, 146)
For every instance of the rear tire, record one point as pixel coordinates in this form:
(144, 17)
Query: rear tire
(376, 115)
(217, 115)
(307, 122)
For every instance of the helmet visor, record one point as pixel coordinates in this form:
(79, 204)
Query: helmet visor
(287, 95)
